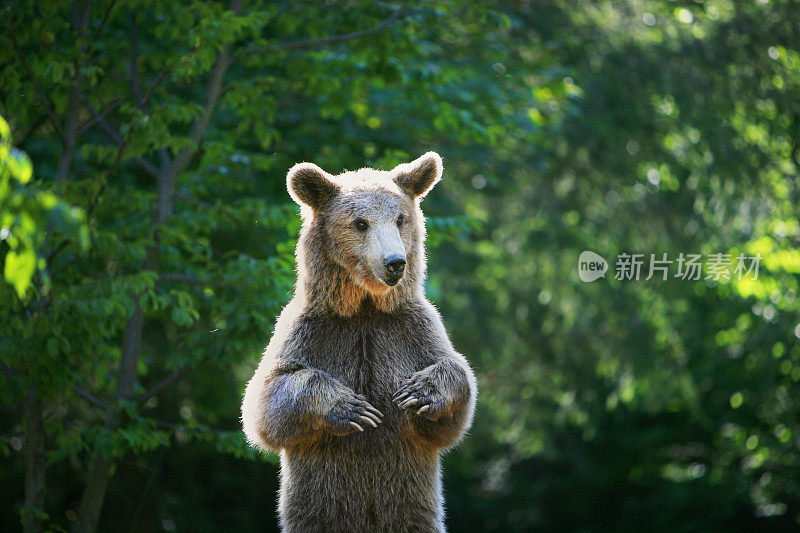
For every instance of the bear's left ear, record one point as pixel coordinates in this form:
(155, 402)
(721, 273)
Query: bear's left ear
(419, 176)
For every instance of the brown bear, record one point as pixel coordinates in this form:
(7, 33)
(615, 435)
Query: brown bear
(360, 389)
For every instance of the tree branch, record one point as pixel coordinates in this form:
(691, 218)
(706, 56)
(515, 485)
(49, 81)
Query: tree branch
(75, 92)
(93, 203)
(133, 64)
(161, 77)
(194, 201)
(48, 105)
(122, 145)
(166, 186)
(310, 43)
(100, 468)
(136, 89)
(198, 128)
(163, 384)
(7, 370)
(100, 116)
(32, 127)
(149, 167)
(154, 472)
(81, 19)
(35, 460)
(105, 19)
(91, 398)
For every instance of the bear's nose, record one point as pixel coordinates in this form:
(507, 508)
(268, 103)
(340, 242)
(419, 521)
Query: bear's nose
(395, 265)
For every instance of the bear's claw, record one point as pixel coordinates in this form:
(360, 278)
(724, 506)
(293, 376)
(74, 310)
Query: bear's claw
(369, 421)
(397, 394)
(409, 402)
(351, 413)
(421, 391)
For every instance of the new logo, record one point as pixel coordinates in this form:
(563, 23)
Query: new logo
(591, 266)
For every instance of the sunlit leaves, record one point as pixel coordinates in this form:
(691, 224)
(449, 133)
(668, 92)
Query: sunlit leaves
(27, 210)
(19, 269)
(646, 127)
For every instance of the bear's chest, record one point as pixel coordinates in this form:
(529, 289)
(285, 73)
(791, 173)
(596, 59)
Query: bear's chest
(371, 354)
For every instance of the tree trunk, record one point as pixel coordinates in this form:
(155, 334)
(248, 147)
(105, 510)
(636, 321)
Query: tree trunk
(34, 462)
(94, 494)
(101, 467)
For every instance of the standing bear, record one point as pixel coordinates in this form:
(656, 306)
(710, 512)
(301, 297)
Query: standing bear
(360, 389)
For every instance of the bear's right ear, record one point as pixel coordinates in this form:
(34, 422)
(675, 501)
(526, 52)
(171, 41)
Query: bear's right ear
(310, 185)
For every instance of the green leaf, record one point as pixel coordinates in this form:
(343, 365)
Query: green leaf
(5, 131)
(19, 269)
(19, 164)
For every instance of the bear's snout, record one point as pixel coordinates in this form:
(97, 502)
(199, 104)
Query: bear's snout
(395, 265)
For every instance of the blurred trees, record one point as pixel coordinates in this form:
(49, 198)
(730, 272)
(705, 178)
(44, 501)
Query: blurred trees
(151, 249)
(671, 128)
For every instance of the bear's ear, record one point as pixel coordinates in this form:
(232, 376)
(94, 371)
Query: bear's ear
(419, 176)
(308, 184)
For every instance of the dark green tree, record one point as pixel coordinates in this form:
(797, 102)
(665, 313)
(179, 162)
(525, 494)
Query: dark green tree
(148, 248)
(170, 127)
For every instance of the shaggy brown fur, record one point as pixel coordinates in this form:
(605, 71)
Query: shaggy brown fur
(360, 389)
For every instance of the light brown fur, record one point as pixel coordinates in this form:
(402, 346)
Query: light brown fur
(360, 389)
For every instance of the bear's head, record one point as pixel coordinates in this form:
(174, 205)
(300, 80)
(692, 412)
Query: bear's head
(363, 234)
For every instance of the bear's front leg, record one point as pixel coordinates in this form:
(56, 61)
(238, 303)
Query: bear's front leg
(442, 398)
(298, 404)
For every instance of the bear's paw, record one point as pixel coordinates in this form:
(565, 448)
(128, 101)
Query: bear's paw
(352, 412)
(425, 395)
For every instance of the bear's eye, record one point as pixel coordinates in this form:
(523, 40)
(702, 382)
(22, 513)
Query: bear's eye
(361, 224)
(400, 220)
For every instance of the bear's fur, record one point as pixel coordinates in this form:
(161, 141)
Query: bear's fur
(360, 389)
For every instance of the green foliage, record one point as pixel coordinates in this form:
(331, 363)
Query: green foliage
(661, 131)
(149, 246)
(27, 211)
